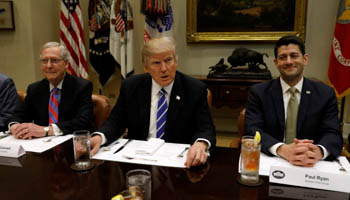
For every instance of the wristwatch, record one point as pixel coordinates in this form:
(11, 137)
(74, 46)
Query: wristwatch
(46, 129)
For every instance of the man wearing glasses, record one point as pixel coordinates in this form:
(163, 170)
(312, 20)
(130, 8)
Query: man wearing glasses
(56, 105)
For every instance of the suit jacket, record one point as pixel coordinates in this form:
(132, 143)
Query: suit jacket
(317, 115)
(8, 100)
(188, 116)
(75, 111)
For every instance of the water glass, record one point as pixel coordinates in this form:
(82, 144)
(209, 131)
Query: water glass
(140, 178)
(81, 142)
(250, 157)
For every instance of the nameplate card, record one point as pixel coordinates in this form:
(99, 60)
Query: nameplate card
(11, 150)
(305, 177)
(302, 193)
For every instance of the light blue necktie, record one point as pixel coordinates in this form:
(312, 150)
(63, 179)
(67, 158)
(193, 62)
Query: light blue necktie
(162, 110)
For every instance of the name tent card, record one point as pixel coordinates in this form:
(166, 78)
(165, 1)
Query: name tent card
(11, 150)
(310, 178)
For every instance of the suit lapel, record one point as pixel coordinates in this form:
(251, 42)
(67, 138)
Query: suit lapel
(66, 92)
(176, 99)
(144, 101)
(44, 98)
(277, 96)
(305, 97)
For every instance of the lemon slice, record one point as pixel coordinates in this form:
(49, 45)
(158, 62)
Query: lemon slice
(257, 137)
(118, 197)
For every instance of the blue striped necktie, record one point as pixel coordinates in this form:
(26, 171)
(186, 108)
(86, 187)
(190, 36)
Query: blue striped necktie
(53, 106)
(162, 110)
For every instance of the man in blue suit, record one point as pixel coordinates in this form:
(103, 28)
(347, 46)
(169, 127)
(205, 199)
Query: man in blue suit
(8, 100)
(316, 124)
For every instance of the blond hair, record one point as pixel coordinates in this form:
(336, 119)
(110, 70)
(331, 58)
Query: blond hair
(158, 45)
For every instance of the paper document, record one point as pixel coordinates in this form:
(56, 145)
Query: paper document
(163, 154)
(37, 145)
(323, 166)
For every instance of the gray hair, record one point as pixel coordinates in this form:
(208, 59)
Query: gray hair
(158, 45)
(64, 52)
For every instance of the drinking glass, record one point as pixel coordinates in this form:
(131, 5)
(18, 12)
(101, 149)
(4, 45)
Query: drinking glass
(81, 142)
(140, 178)
(250, 156)
(129, 195)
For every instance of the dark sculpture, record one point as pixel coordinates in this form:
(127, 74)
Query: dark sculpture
(242, 56)
(219, 67)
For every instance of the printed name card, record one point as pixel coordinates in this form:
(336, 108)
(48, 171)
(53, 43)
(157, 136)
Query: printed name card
(310, 178)
(11, 150)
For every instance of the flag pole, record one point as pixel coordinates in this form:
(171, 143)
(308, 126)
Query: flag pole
(125, 7)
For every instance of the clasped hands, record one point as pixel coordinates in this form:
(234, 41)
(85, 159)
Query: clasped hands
(301, 152)
(27, 131)
(196, 155)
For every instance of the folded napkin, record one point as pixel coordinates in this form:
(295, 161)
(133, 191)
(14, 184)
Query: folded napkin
(150, 147)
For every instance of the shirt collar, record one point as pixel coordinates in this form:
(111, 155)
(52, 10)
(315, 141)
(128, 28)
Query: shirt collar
(59, 86)
(285, 86)
(156, 87)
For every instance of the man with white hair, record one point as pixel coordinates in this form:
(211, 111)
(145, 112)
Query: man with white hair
(161, 103)
(56, 105)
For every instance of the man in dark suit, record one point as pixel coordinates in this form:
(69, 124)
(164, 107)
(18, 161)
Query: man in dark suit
(314, 134)
(8, 100)
(188, 118)
(56, 105)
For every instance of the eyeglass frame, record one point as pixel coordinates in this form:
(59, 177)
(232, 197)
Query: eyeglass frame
(53, 61)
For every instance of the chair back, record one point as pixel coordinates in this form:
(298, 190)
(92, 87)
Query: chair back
(21, 95)
(102, 108)
(210, 98)
(237, 141)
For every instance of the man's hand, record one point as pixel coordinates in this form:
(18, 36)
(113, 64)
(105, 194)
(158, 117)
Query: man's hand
(197, 155)
(27, 131)
(301, 153)
(95, 143)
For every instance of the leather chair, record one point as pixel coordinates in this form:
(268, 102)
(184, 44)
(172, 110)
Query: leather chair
(210, 98)
(21, 95)
(237, 141)
(102, 108)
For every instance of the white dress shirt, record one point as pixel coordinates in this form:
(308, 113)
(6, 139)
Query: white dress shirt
(286, 97)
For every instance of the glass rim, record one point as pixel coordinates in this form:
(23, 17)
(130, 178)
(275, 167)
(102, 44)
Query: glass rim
(248, 137)
(146, 172)
(81, 132)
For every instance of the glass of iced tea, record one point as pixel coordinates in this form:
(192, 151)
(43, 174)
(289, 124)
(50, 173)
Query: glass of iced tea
(250, 156)
(129, 194)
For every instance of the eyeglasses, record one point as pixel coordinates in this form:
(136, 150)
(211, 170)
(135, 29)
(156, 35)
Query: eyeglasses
(52, 61)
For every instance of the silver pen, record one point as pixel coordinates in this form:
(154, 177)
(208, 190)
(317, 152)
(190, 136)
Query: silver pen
(341, 166)
(183, 152)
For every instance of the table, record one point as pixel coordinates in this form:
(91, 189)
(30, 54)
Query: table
(48, 176)
(232, 92)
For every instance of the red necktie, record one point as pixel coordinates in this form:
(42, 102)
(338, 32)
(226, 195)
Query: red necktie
(53, 106)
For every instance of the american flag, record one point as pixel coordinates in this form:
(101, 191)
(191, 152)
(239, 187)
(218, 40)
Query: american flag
(119, 23)
(72, 36)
